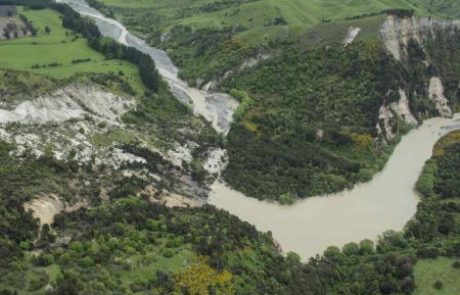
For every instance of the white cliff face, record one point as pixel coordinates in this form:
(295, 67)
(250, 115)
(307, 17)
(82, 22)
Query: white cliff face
(71, 102)
(436, 94)
(352, 33)
(388, 114)
(402, 109)
(397, 31)
(83, 123)
(386, 122)
(64, 122)
(217, 161)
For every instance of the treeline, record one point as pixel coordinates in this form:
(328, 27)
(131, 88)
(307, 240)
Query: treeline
(110, 48)
(395, 11)
(110, 236)
(437, 221)
(218, 253)
(29, 26)
(101, 7)
(400, 12)
(34, 4)
(210, 8)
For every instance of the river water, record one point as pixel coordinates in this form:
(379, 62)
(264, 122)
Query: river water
(387, 202)
(308, 227)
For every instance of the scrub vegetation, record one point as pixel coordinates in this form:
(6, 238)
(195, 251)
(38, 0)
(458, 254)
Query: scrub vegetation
(127, 245)
(306, 125)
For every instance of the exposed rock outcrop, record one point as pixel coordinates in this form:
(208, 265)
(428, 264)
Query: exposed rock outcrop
(436, 93)
(45, 207)
(71, 102)
(213, 85)
(352, 33)
(397, 31)
(390, 114)
(216, 161)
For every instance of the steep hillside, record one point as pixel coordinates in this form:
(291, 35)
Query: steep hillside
(448, 8)
(104, 173)
(330, 87)
(127, 245)
(123, 119)
(221, 35)
(323, 119)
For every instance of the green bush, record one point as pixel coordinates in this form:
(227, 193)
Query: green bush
(426, 181)
(438, 285)
(44, 260)
(245, 103)
(38, 281)
(86, 262)
(286, 199)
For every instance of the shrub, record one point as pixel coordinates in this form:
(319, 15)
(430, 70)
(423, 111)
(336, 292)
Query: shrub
(44, 260)
(426, 181)
(351, 249)
(38, 281)
(438, 285)
(168, 253)
(86, 262)
(286, 199)
(77, 246)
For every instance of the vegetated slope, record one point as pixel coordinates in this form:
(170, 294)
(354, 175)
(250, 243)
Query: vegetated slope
(437, 276)
(127, 245)
(207, 29)
(449, 8)
(437, 223)
(310, 129)
(106, 119)
(209, 40)
(321, 118)
(322, 114)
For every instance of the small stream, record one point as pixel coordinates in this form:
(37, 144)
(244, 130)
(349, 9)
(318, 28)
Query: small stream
(215, 107)
(308, 227)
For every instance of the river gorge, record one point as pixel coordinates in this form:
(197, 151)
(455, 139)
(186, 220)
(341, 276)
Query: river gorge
(308, 227)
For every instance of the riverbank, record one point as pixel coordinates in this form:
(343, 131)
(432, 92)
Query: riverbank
(385, 203)
(309, 226)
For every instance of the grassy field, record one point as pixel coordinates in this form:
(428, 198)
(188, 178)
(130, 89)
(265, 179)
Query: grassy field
(59, 47)
(428, 272)
(448, 8)
(259, 16)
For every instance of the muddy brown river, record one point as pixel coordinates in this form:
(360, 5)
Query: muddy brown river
(308, 227)
(387, 202)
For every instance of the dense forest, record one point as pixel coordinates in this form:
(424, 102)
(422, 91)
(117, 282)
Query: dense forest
(311, 127)
(129, 246)
(306, 125)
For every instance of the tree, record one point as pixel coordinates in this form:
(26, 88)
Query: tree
(351, 249)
